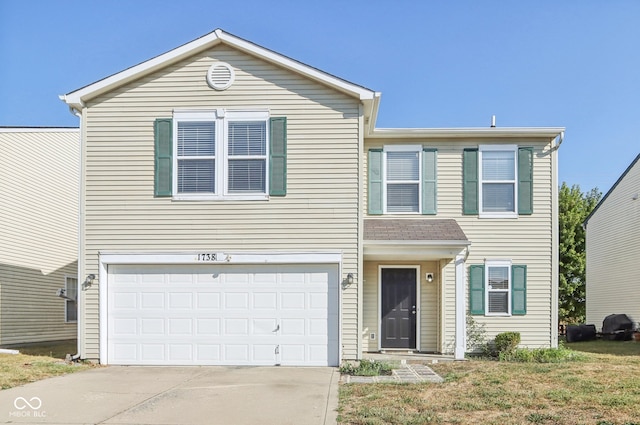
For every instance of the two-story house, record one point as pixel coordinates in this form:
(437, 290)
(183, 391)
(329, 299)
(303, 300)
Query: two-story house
(240, 207)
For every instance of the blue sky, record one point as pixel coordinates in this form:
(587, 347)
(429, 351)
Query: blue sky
(543, 63)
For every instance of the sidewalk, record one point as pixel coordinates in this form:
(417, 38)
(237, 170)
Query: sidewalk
(407, 373)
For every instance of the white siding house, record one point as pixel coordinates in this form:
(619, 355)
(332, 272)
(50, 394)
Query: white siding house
(39, 179)
(240, 207)
(613, 250)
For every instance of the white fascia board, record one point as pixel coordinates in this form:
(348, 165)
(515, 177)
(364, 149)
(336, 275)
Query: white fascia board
(401, 250)
(77, 98)
(476, 132)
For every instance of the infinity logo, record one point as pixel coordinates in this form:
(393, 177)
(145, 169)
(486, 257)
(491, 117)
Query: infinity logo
(21, 403)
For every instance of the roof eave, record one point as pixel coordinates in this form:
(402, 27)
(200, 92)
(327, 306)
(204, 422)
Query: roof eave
(77, 98)
(461, 243)
(475, 132)
(412, 250)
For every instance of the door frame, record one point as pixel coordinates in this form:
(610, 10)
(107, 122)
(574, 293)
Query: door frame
(379, 311)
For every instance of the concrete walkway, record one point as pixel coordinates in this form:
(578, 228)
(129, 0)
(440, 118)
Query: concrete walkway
(178, 395)
(407, 373)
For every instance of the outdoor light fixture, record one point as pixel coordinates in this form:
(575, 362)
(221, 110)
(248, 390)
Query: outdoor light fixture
(348, 281)
(429, 277)
(350, 278)
(88, 281)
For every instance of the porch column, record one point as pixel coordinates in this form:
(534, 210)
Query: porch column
(461, 319)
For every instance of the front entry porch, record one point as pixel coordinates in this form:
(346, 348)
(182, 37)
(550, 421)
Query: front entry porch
(414, 298)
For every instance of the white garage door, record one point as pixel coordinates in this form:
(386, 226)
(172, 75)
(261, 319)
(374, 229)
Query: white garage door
(222, 315)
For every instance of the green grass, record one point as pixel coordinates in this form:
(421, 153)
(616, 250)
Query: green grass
(600, 346)
(367, 368)
(56, 349)
(598, 389)
(36, 362)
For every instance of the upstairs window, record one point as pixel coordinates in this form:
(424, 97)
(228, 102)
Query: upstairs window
(402, 179)
(247, 156)
(196, 156)
(221, 154)
(498, 181)
(498, 189)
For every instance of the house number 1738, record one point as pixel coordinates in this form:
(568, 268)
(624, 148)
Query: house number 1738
(207, 257)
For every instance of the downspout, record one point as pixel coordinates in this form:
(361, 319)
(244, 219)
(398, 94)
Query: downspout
(555, 253)
(79, 298)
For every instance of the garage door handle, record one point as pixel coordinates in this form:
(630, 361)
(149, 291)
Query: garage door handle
(276, 329)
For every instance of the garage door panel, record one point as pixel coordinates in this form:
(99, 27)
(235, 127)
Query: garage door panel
(236, 300)
(208, 326)
(227, 315)
(152, 300)
(208, 353)
(208, 300)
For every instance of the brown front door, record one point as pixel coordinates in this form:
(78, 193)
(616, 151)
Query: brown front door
(398, 302)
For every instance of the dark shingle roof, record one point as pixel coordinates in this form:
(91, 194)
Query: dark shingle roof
(413, 230)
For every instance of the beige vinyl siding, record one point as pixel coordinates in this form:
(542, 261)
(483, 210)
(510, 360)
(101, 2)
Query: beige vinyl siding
(319, 211)
(429, 304)
(39, 179)
(526, 240)
(613, 250)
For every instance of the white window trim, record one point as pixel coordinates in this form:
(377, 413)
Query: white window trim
(497, 263)
(494, 214)
(401, 148)
(66, 302)
(221, 117)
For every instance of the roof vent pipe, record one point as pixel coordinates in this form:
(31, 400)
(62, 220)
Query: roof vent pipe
(493, 121)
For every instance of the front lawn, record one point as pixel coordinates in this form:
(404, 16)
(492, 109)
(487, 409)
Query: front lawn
(602, 389)
(36, 362)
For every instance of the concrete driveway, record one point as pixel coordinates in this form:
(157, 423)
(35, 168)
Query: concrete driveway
(177, 395)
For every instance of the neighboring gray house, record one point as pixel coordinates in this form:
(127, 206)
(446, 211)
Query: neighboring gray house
(39, 185)
(613, 250)
(241, 207)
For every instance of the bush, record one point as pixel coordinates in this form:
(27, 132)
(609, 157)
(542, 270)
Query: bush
(367, 368)
(542, 355)
(476, 336)
(507, 342)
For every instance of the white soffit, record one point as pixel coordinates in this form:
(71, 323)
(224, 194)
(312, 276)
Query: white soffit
(488, 132)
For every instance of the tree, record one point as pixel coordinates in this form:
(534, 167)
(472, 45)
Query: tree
(574, 207)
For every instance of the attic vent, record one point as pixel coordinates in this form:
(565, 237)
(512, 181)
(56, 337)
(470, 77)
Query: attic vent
(220, 76)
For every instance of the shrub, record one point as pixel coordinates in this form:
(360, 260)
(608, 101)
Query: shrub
(542, 355)
(507, 342)
(476, 336)
(367, 368)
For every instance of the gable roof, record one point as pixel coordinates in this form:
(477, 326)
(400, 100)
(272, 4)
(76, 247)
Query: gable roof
(77, 98)
(633, 163)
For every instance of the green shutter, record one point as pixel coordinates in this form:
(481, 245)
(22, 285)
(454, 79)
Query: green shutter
(429, 181)
(278, 156)
(163, 142)
(476, 289)
(525, 181)
(375, 181)
(518, 290)
(470, 181)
